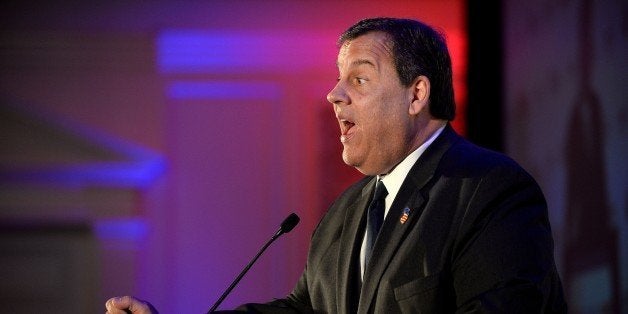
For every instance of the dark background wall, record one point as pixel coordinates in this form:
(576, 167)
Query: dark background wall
(545, 87)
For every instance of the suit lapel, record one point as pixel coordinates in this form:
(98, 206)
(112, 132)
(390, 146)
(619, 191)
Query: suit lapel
(412, 197)
(349, 252)
(389, 239)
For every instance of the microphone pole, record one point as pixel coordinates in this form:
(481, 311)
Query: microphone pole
(286, 226)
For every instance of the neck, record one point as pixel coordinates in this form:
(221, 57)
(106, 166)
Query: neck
(425, 133)
(421, 136)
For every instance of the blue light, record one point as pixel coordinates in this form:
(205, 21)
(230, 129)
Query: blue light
(133, 229)
(223, 90)
(220, 51)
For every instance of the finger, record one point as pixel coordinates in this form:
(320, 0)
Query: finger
(111, 309)
(137, 306)
(126, 304)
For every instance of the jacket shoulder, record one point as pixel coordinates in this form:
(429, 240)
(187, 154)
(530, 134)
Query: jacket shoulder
(470, 160)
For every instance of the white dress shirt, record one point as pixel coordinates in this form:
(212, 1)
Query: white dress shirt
(393, 182)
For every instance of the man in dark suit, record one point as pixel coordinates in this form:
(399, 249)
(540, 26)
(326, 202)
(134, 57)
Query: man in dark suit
(452, 227)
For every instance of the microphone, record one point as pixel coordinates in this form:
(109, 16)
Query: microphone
(286, 226)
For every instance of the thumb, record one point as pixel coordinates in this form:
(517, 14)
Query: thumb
(129, 304)
(119, 303)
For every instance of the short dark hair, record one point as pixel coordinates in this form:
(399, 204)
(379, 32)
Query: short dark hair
(418, 49)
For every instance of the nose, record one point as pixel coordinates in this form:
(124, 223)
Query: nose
(338, 95)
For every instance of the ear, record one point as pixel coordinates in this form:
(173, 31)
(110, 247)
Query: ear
(420, 95)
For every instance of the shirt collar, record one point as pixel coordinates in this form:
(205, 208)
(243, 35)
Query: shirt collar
(395, 178)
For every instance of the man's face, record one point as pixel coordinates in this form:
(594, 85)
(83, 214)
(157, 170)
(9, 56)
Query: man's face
(371, 105)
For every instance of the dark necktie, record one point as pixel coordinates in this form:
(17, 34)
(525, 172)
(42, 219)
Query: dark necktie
(375, 219)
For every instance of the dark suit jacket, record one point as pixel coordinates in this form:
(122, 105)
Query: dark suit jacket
(477, 240)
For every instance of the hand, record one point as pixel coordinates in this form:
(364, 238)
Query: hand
(127, 304)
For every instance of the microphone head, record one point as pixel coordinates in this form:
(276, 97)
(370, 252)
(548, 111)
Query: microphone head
(289, 223)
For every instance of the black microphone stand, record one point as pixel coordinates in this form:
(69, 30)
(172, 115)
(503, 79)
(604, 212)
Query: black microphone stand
(285, 227)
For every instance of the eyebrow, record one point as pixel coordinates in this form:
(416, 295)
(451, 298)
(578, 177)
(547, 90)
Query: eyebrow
(363, 61)
(360, 62)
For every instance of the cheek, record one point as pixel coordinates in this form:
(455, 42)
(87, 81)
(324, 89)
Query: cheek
(384, 117)
(392, 125)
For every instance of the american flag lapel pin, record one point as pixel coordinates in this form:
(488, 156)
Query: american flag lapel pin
(404, 216)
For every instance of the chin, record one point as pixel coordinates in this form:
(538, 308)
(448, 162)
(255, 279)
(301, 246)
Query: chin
(372, 169)
(360, 166)
(349, 162)
(346, 159)
(365, 170)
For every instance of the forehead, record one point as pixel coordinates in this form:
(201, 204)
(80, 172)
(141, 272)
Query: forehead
(374, 47)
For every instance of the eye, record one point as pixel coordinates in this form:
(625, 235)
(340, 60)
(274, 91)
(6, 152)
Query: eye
(360, 81)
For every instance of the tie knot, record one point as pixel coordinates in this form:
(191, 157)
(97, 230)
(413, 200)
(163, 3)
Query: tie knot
(380, 191)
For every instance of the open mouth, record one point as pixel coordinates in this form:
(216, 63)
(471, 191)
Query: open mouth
(345, 129)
